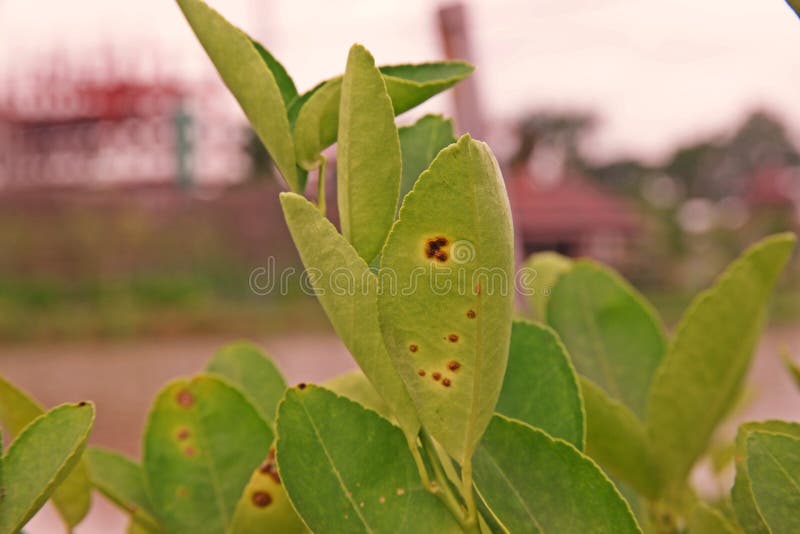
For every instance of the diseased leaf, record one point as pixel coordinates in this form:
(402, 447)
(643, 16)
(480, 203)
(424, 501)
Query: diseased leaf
(347, 291)
(122, 481)
(356, 387)
(40, 458)
(419, 144)
(368, 158)
(704, 519)
(247, 75)
(346, 469)
(535, 483)
(773, 465)
(540, 387)
(202, 441)
(617, 440)
(544, 269)
(73, 497)
(613, 336)
(246, 366)
(408, 86)
(282, 78)
(710, 353)
(447, 323)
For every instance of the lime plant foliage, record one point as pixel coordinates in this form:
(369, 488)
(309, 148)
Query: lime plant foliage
(461, 417)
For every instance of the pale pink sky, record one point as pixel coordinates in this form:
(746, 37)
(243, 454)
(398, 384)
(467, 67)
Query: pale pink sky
(657, 71)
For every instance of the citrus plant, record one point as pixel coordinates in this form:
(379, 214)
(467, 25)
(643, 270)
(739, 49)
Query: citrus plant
(462, 418)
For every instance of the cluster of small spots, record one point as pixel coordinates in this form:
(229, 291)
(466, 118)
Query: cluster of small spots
(452, 338)
(433, 249)
(269, 467)
(185, 398)
(471, 314)
(261, 498)
(413, 348)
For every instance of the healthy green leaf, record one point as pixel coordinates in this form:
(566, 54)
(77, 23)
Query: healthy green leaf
(282, 78)
(773, 465)
(368, 158)
(356, 386)
(245, 366)
(122, 481)
(73, 497)
(544, 269)
(408, 86)
(247, 75)
(613, 336)
(535, 483)
(202, 441)
(447, 323)
(617, 440)
(137, 526)
(540, 387)
(347, 291)
(703, 519)
(419, 144)
(40, 458)
(346, 469)
(710, 353)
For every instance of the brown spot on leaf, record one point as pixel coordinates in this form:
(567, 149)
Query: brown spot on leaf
(189, 451)
(185, 398)
(453, 365)
(471, 314)
(441, 256)
(436, 376)
(269, 468)
(262, 499)
(446, 382)
(82, 403)
(413, 348)
(452, 338)
(301, 385)
(184, 433)
(421, 372)
(433, 248)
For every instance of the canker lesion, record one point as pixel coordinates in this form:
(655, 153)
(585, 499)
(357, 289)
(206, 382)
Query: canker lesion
(436, 248)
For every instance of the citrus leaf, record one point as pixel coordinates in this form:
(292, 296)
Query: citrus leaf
(347, 291)
(448, 326)
(703, 519)
(249, 79)
(534, 483)
(346, 469)
(368, 158)
(613, 336)
(282, 78)
(419, 144)
(40, 458)
(701, 375)
(540, 387)
(245, 366)
(356, 386)
(544, 268)
(773, 465)
(202, 441)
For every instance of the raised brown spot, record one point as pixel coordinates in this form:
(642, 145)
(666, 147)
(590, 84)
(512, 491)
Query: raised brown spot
(452, 338)
(301, 385)
(270, 469)
(441, 256)
(421, 372)
(185, 398)
(436, 376)
(453, 365)
(446, 382)
(183, 434)
(413, 348)
(433, 248)
(82, 403)
(189, 451)
(261, 499)
(471, 314)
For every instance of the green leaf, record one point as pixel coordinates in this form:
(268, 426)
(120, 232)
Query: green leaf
(447, 323)
(773, 464)
(710, 353)
(419, 144)
(356, 386)
(245, 366)
(40, 458)
(535, 483)
(346, 469)
(544, 269)
(368, 158)
(617, 440)
(282, 78)
(264, 505)
(122, 481)
(73, 497)
(612, 334)
(540, 387)
(248, 76)
(703, 519)
(744, 505)
(202, 441)
(792, 368)
(347, 291)
(408, 86)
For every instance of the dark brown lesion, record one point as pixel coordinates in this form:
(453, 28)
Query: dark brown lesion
(270, 467)
(434, 248)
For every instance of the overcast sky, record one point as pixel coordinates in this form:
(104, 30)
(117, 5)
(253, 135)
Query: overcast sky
(657, 71)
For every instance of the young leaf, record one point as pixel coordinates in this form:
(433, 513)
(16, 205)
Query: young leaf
(540, 387)
(534, 483)
(249, 78)
(122, 481)
(202, 441)
(356, 387)
(617, 440)
(408, 86)
(709, 355)
(368, 161)
(703, 519)
(545, 268)
(73, 497)
(247, 367)
(282, 78)
(612, 334)
(40, 458)
(773, 465)
(448, 327)
(744, 505)
(346, 469)
(264, 505)
(419, 144)
(347, 291)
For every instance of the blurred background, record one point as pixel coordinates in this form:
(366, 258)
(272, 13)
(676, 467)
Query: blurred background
(135, 203)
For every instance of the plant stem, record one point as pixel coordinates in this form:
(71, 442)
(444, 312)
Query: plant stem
(442, 485)
(423, 471)
(468, 493)
(321, 185)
